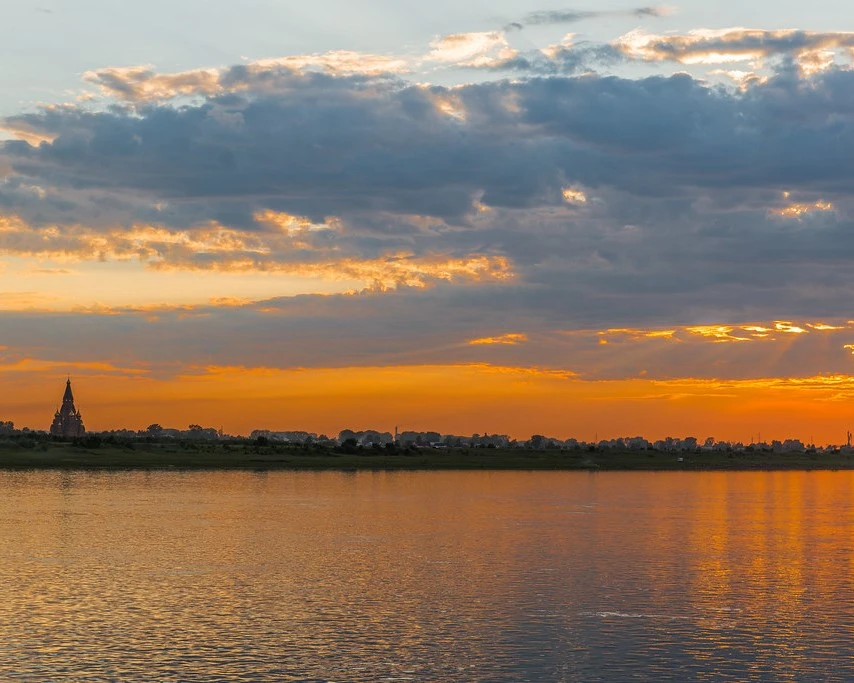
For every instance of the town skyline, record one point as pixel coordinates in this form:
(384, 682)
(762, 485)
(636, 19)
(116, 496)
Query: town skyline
(68, 423)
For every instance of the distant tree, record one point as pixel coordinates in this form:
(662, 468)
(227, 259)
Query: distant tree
(537, 442)
(199, 432)
(88, 441)
(349, 446)
(154, 429)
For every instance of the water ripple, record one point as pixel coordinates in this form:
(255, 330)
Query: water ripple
(425, 577)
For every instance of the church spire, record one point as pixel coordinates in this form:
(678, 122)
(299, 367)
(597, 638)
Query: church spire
(67, 422)
(68, 397)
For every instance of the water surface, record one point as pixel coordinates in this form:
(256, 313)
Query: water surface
(426, 576)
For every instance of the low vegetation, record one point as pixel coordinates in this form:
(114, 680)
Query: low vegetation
(94, 451)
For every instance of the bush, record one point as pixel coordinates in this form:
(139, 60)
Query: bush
(88, 441)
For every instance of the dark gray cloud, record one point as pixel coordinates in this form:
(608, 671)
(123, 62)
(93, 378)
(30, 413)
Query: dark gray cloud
(683, 217)
(330, 146)
(424, 327)
(562, 60)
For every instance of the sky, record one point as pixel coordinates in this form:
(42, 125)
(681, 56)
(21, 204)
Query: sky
(589, 221)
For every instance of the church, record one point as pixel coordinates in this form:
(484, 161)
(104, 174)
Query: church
(67, 421)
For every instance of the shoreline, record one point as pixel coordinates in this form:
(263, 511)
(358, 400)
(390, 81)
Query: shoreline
(280, 457)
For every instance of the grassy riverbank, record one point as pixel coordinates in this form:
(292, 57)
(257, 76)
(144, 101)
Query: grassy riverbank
(248, 455)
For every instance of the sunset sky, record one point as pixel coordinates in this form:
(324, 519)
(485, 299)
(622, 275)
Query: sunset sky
(592, 220)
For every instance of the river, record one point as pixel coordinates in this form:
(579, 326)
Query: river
(426, 576)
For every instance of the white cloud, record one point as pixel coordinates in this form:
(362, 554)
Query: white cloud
(487, 49)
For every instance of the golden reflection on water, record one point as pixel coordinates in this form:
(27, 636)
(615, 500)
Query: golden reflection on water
(431, 576)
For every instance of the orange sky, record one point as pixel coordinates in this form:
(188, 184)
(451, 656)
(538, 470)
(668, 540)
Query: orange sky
(449, 399)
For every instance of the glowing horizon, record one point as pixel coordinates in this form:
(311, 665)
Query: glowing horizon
(459, 400)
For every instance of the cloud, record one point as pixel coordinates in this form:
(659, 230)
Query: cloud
(143, 84)
(509, 339)
(602, 200)
(295, 225)
(339, 62)
(51, 271)
(488, 49)
(574, 16)
(811, 50)
(422, 327)
(798, 209)
(634, 334)
(351, 145)
(25, 301)
(289, 249)
(382, 274)
(36, 365)
(21, 130)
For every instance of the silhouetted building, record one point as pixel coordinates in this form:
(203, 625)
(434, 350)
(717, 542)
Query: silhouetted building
(67, 421)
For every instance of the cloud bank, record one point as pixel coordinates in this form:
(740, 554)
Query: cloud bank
(538, 220)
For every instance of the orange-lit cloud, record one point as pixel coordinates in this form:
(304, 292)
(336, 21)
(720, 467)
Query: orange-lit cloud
(340, 62)
(27, 301)
(510, 339)
(476, 50)
(788, 327)
(294, 225)
(36, 365)
(720, 333)
(446, 101)
(798, 209)
(75, 244)
(574, 195)
(812, 50)
(143, 84)
(381, 274)
(21, 130)
(743, 79)
(631, 333)
(32, 283)
(212, 247)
